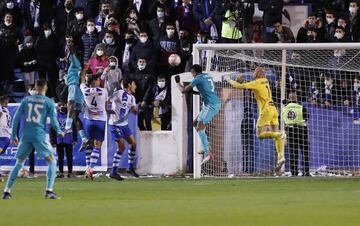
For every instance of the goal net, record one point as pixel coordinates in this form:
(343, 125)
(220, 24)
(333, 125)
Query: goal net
(325, 78)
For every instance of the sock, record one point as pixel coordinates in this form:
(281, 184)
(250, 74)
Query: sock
(204, 140)
(95, 154)
(82, 135)
(87, 157)
(50, 175)
(68, 123)
(116, 162)
(270, 134)
(131, 157)
(13, 175)
(279, 148)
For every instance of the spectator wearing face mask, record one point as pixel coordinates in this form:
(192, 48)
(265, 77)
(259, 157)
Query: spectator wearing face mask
(160, 96)
(144, 49)
(47, 51)
(313, 36)
(166, 5)
(312, 23)
(330, 26)
(328, 89)
(77, 27)
(105, 11)
(112, 48)
(157, 25)
(343, 22)
(64, 18)
(90, 39)
(144, 80)
(167, 45)
(353, 16)
(10, 38)
(112, 76)
(340, 36)
(28, 62)
(12, 7)
(126, 51)
(99, 60)
(64, 144)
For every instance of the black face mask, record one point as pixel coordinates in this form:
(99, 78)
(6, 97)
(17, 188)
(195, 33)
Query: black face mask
(106, 11)
(68, 6)
(129, 40)
(310, 37)
(63, 109)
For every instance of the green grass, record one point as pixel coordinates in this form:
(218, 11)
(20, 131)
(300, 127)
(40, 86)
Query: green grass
(172, 202)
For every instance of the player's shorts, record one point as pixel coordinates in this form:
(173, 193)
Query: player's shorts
(120, 132)
(269, 116)
(76, 95)
(4, 144)
(95, 129)
(43, 148)
(208, 112)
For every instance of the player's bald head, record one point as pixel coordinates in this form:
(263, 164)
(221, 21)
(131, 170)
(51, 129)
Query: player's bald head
(259, 72)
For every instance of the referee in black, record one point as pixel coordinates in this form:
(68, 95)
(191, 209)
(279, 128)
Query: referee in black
(295, 117)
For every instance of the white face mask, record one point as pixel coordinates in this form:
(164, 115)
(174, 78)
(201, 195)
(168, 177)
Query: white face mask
(7, 23)
(339, 25)
(79, 16)
(10, 5)
(143, 39)
(47, 33)
(99, 52)
(353, 10)
(90, 29)
(112, 64)
(133, 16)
(108, 40)
(330, 20)
(161, 84)
(160, 14)
(170, 32)
(32, 92)
(141, 66)
(29, 45)
(339, 35)
(199, 39)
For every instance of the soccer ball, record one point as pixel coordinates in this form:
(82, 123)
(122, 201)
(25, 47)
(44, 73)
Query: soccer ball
(174, 60)
(23, 173)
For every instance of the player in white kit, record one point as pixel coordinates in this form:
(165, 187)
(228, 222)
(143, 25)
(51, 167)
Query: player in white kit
(96, 99)
(5, 125)
(122, 103)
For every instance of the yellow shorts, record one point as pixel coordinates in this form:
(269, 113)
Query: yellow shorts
(269, 116)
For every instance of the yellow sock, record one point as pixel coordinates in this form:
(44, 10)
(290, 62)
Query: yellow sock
(270, 134)
(279, 143)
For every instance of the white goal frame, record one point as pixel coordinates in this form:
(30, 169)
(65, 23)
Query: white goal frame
(210, 52)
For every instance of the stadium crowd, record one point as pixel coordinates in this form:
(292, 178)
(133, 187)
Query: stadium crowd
(134, 38)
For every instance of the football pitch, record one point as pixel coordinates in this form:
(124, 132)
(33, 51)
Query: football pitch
(104, 202)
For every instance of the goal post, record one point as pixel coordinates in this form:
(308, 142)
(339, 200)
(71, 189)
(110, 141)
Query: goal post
(325, 77)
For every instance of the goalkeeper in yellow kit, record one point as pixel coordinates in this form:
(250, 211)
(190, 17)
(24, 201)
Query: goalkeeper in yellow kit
(268, 123)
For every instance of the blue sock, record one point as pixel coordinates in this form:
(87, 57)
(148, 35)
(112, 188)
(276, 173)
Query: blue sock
(131, 157)
(68, 123)
(82, 135)
(50, 175)
(13, 175)
(204, 140)
(116, 162)
(95, 154)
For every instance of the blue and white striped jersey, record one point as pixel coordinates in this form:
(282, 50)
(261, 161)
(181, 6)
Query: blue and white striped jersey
(95, 102)
(121, 104)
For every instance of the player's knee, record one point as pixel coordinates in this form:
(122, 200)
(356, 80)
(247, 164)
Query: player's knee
(50, 159)
(20, 161)
(200, 126)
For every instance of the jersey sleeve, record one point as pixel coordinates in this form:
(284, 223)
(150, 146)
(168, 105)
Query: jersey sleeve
(16, 120)
(83, 86)
(247, 85)
(53, 118)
